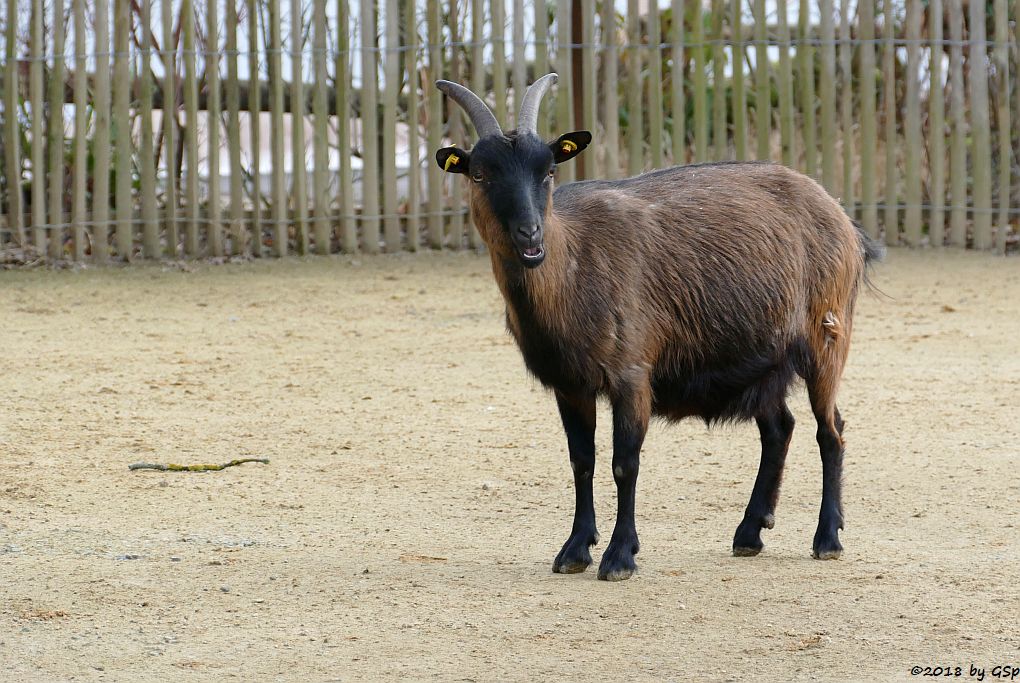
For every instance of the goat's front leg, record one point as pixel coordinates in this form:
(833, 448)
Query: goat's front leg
(631, 411)
(578, 415)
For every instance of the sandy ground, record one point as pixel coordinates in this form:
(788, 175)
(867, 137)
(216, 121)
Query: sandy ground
(419, 488)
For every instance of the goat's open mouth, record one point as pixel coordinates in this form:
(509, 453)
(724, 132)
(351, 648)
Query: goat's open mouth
(531, 256)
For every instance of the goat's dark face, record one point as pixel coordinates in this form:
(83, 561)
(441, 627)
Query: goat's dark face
(514, 174)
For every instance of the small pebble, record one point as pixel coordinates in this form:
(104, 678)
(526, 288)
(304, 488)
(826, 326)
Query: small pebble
(225, 589)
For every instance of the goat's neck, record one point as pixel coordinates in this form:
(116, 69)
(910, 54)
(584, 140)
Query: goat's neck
(544, 290)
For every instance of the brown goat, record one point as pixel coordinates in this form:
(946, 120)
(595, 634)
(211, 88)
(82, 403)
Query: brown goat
(697, 290)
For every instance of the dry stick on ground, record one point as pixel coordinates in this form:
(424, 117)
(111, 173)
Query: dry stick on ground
(194, 468)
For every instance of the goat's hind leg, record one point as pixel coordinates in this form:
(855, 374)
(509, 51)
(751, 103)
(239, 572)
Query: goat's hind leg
(776, 430)
(822, 393)
(578, 415)
(826, 545)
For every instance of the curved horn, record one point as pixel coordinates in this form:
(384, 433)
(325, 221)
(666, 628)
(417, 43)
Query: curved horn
(482, 119)
(528, 118)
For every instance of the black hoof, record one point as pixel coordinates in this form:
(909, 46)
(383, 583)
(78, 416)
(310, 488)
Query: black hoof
(575, 557)
(826, 546)
(747, 550)
(747, 540)
(618, 562)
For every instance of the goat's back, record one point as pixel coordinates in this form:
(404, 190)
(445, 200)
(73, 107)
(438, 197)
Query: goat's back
(715, 211)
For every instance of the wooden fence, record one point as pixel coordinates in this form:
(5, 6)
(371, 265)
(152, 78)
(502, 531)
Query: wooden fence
(189, 128)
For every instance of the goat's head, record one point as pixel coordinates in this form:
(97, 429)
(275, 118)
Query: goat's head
(511, 173)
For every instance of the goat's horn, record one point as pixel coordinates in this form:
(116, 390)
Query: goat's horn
(528, 118)
(482, 118)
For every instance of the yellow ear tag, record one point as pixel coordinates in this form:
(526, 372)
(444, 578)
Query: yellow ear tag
(451, 160)
(568, 146)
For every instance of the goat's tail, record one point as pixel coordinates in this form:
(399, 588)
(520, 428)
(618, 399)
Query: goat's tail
(873, 251)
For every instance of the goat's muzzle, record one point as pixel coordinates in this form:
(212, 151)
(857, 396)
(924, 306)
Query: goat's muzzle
(529, 244)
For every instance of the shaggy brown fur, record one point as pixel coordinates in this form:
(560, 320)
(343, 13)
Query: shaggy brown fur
(688, 267)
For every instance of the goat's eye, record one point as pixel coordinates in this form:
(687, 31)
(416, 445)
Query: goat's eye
(552, 171)
(477, 177)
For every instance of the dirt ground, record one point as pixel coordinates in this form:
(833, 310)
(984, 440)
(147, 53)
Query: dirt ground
(419, 488)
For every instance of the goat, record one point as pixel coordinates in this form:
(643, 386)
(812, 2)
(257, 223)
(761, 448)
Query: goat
(699, 290)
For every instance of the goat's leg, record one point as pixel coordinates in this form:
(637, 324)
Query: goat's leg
(826, 545)
(578, 415)
(631, 410)
(776, 430)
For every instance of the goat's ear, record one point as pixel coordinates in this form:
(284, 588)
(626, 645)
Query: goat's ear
(569, 145)
(453, 159)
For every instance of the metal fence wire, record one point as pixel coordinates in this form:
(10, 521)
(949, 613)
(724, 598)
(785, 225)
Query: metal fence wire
(140, 129)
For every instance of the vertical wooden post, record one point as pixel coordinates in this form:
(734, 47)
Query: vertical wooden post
(981, 158)
(454, 115)
(1016, 79)
(589, 81)
(255, 118)
(936, 127)
(610, 91)
(958, 128)
(720, 132)
(1002, 119)
(413, 122)
(891, 214)
(700, 88)
(348, 221)
(477, 85)
(391, 69)
(518, 68)
(169, 123)
(827, 94)
(122, 126)
(846, 97)
(498, 41)
(214, 211)
(38, 153)
(80, 142)
(55, 135)
(320, 117)
(233, 91)
(739, 94)
(762, 86)
(564, 92)
(298, 109)
(12, 148)
(435, 124)
(678, 105)
(869, 210)
(192, 215)
(146, 158)
(806, 96)
(785, 86)
(369, 134)
(279, 189)
(912, 128)
(635, 110)
(654, 98)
